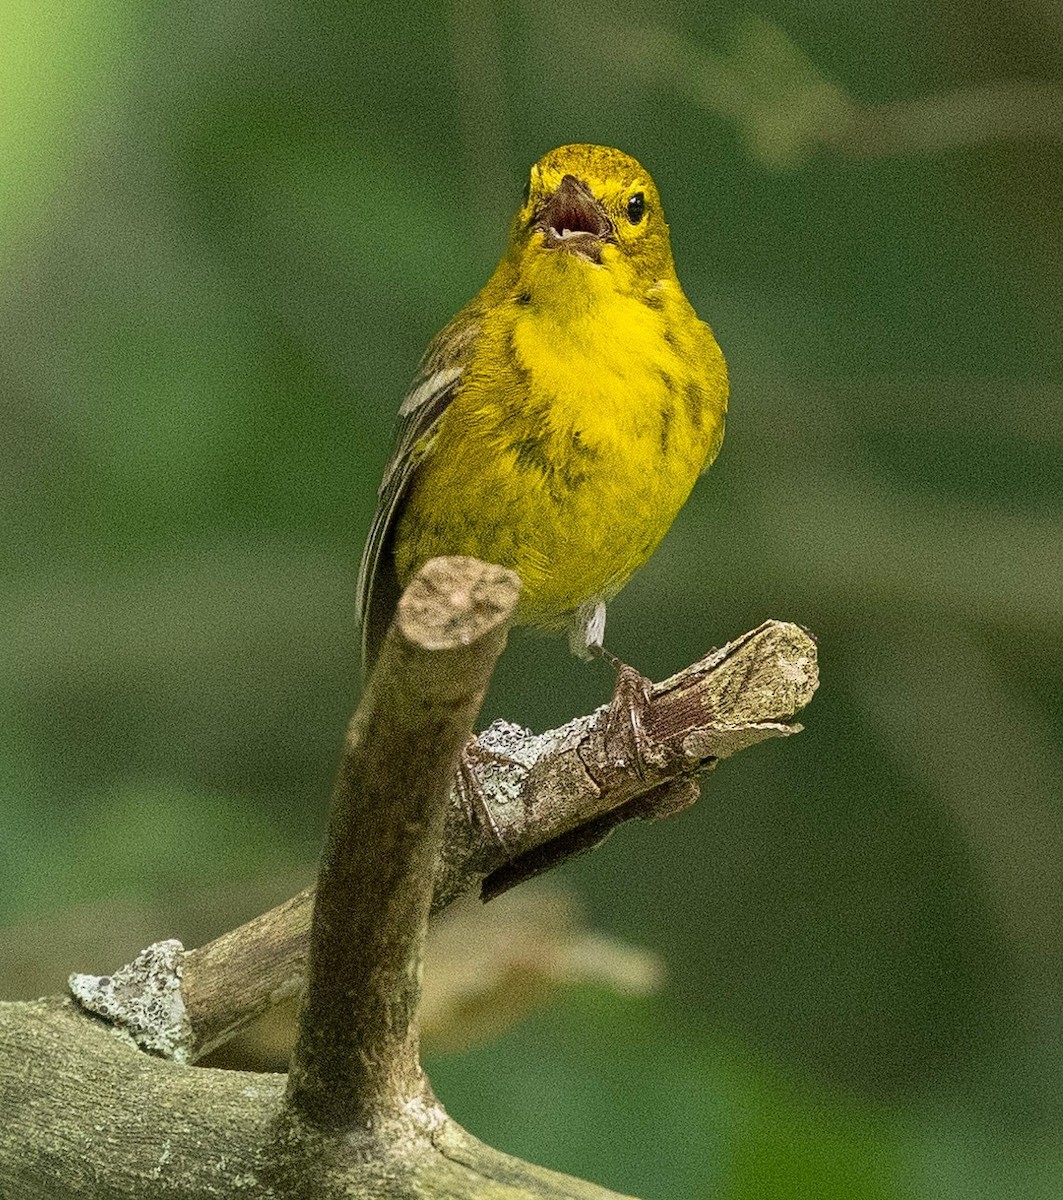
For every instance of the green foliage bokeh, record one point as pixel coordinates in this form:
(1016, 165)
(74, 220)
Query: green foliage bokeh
(227, 232)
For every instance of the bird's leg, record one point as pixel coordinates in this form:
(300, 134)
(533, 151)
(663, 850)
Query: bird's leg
(587, 629)
(625, 719)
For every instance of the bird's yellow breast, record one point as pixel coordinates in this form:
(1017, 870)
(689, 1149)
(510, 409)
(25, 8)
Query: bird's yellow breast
(577, 433)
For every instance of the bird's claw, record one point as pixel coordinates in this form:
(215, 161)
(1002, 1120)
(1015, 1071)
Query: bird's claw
(624, 730)
(470, 791)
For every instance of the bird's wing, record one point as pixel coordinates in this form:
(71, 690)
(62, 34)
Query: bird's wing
(419, 417)
(713, 388)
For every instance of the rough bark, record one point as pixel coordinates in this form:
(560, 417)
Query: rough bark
(88, 1116)
(551, 795)
(356, 1060)
(86, 1112)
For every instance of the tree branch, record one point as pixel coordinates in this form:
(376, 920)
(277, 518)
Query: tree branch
(87, 1114)
(551, 795)
(356, 1058)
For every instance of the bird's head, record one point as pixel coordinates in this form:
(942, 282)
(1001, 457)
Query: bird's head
(598, 205)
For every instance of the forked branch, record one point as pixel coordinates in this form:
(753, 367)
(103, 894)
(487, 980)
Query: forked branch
(551, 795)
(357, 1117)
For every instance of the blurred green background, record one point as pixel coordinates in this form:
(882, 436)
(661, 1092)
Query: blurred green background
(226, 234)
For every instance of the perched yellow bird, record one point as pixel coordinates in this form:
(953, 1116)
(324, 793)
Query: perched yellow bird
(559, 422)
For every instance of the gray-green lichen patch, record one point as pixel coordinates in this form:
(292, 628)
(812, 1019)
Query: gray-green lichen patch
(142, 999)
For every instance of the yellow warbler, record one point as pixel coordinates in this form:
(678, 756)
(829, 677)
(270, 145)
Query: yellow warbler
(559, 422)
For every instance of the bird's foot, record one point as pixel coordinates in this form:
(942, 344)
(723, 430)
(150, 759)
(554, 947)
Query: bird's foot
(470, 791)
(624, 733)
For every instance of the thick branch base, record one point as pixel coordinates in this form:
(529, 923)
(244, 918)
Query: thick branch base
(87, 1114)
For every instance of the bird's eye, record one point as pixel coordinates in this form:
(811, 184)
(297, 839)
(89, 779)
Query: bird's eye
(636, 208)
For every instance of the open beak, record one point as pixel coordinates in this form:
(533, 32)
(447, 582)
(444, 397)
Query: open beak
(573, 221)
